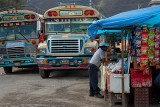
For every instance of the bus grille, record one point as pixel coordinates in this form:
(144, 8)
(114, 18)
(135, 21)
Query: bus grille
(15, 50)
(17, 56)
(65, 46)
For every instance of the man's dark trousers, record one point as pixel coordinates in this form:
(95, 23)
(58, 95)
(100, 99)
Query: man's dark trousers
(93, 79)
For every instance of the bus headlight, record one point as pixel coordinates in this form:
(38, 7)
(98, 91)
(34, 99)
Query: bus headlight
(41, 51)
(1, 57)
(88, 50)
(33, 55)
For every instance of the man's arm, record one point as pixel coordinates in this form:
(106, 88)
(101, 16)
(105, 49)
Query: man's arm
(103, 60)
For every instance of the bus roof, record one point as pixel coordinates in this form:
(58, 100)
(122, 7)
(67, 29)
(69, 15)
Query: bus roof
(82, 3)
(72, 7)
(21, 12)
(23, 7)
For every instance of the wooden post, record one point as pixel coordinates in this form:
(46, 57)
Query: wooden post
(122, 54)
(125, 44)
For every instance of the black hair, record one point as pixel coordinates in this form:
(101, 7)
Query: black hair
(103, 46)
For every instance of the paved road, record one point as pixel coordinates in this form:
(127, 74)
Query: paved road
(26, 88)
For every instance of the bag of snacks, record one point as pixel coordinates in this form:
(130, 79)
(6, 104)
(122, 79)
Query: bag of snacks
(151, 60)
(138, 32)
(143, 63)
(144, 39)
(146, 71)
(144, 49)
(138, 42)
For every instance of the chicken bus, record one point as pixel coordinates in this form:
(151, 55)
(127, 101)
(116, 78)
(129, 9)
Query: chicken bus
(65, 43)
(19, 38)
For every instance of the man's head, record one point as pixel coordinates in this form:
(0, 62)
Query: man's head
(104, 46)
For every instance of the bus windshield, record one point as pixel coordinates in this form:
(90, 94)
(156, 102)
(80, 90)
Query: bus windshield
(58, 27)
(78, 28)
(18, 32)
(75, 25)
(3, 33)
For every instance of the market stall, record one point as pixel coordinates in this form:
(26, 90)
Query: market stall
(142, 29)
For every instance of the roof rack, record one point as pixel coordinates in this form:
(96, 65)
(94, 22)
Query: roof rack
(24, 7)
(80, 2)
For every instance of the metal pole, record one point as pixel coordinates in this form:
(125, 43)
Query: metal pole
(43, 29)
(125, 44)
(122, 54)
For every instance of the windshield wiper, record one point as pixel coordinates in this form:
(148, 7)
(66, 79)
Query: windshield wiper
(23, 36)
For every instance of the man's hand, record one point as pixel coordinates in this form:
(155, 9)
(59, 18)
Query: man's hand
(103, 60)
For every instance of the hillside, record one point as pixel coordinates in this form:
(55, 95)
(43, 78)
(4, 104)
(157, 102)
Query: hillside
(109, 7)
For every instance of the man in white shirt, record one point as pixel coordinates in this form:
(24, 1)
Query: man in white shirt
(93, 68)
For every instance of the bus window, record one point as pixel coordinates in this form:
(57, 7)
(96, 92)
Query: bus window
(57, 27)
(78, 28)
(10, 33)
(3, 33)
(29, 31)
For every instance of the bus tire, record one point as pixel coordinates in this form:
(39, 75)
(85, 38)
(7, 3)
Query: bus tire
(44, 73)
(7, 70)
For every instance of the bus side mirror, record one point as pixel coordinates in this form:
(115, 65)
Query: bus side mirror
(39, 33)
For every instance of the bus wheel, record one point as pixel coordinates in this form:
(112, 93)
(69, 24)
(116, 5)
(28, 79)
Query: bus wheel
(44, 73)
(7, 70)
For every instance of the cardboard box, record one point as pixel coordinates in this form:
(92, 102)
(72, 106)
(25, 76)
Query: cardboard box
(135, 65)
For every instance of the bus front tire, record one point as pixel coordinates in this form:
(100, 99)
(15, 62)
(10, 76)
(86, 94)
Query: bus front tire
(44, 73)
(7, 70)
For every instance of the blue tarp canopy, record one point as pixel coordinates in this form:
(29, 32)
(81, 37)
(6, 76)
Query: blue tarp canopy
(145, 16)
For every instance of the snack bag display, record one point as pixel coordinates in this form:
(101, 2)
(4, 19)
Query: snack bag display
(150, 52)
(151, 39)
(146, 71)
(151, 34)
(157, 39)
(138, 51)
(151, 45)
(143, 63)
(144, 35)
(157, 47)
(138, 32)
(157, 54)
(144, 39)
(151, 60)
(144, 29)
(138, 59)
(144, 49)
(138, 42)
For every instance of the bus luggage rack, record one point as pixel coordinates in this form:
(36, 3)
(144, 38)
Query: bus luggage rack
(80, 2)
